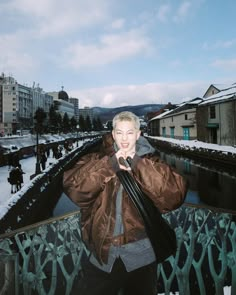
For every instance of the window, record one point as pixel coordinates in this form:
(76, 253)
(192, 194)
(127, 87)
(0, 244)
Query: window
(164, 131)
(212, 112)
(186, 116)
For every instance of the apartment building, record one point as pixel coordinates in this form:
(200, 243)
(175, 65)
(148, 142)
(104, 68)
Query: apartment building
(75, 102)
(18, 104)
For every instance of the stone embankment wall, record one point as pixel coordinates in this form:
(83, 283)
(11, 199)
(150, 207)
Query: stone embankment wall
(209, 156)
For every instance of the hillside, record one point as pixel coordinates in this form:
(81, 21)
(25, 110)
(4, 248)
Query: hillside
(106, 114)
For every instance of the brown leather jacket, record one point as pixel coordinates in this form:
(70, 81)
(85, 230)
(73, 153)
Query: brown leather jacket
(93, 185)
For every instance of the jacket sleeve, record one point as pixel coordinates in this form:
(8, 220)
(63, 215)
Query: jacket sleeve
(160, 182)
(83, 183)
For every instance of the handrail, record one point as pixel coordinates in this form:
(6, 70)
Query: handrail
(47, 257)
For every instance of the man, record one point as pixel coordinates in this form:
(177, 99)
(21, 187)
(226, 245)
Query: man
(121, 254)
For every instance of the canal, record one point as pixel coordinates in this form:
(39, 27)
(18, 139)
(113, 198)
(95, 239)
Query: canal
(207, 184)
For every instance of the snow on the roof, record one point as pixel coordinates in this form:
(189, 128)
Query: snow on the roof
(223, 86)
(161, 115)
(196, 101)
(223, 95)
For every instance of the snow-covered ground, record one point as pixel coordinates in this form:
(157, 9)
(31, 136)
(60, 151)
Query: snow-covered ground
(195, 144)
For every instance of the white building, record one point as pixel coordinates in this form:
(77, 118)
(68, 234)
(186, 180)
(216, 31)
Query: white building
(41, 99)
(16, 106)
(75, 102)
(62, 104)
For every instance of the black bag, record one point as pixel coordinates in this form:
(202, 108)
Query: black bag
(160, 233)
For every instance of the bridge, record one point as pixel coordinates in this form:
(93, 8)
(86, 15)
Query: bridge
(41, 254)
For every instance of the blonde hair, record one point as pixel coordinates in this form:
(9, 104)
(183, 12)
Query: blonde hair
(126, 116)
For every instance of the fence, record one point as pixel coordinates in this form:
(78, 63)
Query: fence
(45, 258)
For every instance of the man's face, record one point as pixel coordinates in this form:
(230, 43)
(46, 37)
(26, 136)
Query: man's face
(125, 135)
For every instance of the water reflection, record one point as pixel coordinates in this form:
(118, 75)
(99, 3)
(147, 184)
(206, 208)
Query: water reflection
(206, 185)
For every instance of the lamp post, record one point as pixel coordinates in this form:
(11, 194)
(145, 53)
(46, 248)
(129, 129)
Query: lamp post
(37, 165)
(77, 129)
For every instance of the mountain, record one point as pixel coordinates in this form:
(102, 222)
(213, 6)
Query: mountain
(106, 114)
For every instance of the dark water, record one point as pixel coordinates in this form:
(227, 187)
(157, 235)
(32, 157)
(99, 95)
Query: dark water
(210, 185)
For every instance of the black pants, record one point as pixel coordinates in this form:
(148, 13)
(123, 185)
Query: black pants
(142, 281)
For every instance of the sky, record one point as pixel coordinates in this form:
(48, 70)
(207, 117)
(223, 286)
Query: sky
(111, 53)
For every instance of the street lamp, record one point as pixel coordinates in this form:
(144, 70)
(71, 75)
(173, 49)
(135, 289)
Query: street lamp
(37, 165)
(77, 129)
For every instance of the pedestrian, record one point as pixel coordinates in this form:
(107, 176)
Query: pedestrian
(20, 175)
(12, 179)
(121, 255)
(16, 178)
(43, 160)
(10, 160)
(15, 159)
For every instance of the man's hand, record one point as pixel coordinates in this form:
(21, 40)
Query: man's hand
(121, 158)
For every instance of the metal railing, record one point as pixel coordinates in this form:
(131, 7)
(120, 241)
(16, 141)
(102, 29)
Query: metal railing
(45, 258)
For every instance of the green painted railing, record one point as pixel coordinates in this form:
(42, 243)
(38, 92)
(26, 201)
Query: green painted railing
(45, 258)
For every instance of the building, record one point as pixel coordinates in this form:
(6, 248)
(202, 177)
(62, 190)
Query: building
(179, 123)
(216, 88)
(87, 112)
(16, 102)
(153, 125)
(75, 102)
(62, 104)
(41, 99)
(216, 117)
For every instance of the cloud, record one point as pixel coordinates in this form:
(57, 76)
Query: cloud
(163, 13)
(225, 64)
(118, 23)
(110, 48)
(14, 58)
(219, 44)
(182, 11)
(118, 95)
(58, 17)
